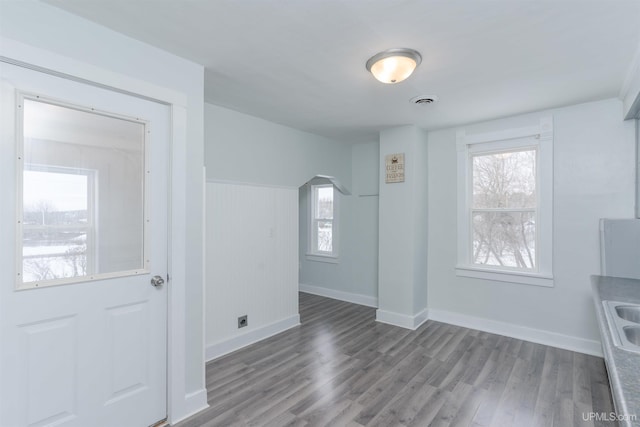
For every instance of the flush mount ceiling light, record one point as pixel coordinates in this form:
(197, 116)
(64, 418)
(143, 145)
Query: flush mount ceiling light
(394, 65)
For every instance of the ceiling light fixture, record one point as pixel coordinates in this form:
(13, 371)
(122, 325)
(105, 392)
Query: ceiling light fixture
(394, 65)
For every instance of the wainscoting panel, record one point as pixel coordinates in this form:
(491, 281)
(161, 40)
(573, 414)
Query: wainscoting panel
(252, 260)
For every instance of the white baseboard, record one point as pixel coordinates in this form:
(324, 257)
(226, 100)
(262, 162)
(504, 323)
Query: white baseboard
(525, 333)
(213, 351)
(402, 320)
(194, 402)
(340, 295)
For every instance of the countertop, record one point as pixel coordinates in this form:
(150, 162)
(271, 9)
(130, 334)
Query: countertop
(623, 366)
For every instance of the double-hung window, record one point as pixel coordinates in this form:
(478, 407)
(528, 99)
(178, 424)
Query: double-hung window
(504, 209)
(323, 235)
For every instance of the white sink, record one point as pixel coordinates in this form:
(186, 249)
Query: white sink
(624, 324)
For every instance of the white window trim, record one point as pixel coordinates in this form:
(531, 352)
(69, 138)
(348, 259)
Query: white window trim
(311, 254)
(331, 259)
(540, 137)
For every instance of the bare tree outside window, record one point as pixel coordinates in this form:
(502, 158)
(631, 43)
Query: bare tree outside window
(503, 213)
(54, 232)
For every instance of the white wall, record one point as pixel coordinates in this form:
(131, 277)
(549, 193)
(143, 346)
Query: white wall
(252, 264)
(51, 29)
(593, 178)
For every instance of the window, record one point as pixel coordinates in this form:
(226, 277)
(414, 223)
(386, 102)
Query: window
(504, 217)
(58, 223)
(503, 209)
(81, 180)
(323, 236)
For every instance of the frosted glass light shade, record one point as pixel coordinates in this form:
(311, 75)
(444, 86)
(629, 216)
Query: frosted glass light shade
(393, 65)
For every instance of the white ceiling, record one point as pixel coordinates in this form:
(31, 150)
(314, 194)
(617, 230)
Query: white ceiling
(302, 63)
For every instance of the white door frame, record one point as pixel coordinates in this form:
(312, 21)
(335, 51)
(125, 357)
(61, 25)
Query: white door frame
(178, 404)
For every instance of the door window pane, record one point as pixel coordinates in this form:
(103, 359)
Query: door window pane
(83, 193)
(55, 229)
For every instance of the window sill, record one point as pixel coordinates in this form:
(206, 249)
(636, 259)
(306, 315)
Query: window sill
(505, 276)
(331, 259)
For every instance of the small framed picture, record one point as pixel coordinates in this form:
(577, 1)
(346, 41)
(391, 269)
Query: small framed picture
(394, 167)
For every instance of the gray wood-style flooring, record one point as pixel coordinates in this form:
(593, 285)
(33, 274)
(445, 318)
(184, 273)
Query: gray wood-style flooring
(342, 368)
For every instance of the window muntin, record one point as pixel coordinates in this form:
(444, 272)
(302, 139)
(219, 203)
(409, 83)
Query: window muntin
(323, 229)
(84, 173)
(503, 210)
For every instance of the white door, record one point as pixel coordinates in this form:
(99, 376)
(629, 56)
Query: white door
(83, 226)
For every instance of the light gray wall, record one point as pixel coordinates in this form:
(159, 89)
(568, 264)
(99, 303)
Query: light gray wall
(631, 90)
(365, 160)
(402, 286)
(243, 148)
(247, 149)
(638, 167)
(593, 178)
(356, 272)
(52, 29)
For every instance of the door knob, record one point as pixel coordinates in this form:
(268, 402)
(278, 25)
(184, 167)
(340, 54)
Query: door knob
(157, 281)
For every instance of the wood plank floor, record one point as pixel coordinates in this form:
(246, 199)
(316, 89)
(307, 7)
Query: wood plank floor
(341, 368)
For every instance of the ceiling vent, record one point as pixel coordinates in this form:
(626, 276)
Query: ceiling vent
(424, 99)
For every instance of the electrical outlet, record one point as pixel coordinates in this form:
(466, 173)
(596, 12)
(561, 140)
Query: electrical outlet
(242, 321)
